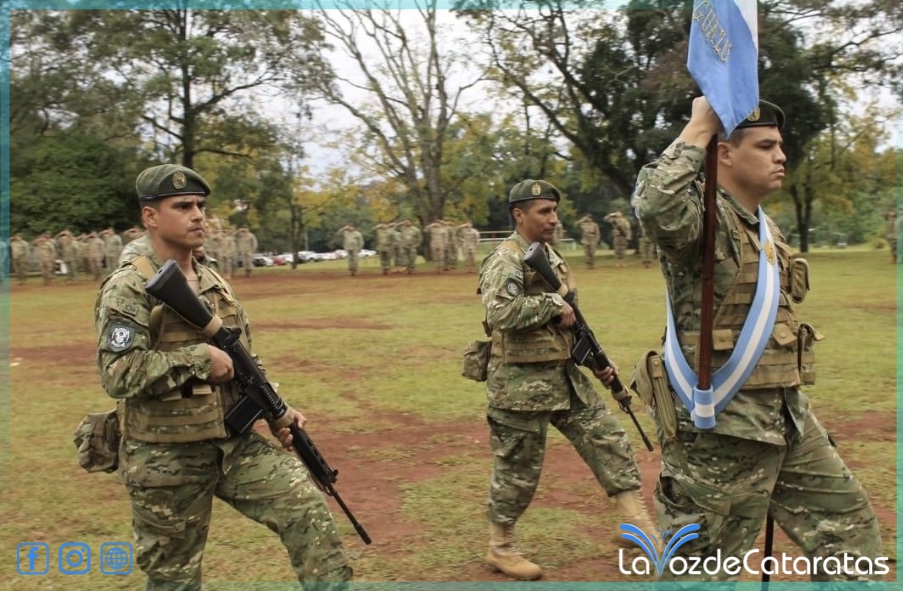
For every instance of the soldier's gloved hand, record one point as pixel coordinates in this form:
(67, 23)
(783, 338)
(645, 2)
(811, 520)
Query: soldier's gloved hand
(222, 370)
(284, 434)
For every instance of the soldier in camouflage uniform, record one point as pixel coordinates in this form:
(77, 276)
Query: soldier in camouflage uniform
(411, 238)
(766, 453)
(94, 252)
(438, 238)
(45, 247)
(647, 249)
(352, 242)
(384, 246)
(112, 248)
(620, 235)
(20, 250)
(69, 249)
(173, 389)
(533, 383)
(245, 247)
(470, 244)
(589, 238)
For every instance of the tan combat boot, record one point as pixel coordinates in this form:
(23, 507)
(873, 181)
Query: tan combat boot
(504, 556)
(633, 511)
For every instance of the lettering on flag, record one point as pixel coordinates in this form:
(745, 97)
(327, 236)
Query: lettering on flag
(723, 57)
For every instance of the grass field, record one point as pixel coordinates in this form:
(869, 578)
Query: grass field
(374, 362)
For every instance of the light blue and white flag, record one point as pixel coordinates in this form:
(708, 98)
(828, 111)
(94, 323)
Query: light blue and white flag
(723, 57)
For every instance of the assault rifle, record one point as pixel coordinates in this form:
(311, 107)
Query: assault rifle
(170, 287)
(587, 351)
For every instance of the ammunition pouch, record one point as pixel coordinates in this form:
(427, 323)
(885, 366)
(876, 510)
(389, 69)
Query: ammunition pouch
(650, 382)
(476, 360)
(97, 440)
(807, 338)
(799, 279)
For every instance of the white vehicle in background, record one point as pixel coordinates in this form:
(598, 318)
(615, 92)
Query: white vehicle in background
(366, 253)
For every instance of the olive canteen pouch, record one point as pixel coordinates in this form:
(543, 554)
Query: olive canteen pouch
(476, 360)
(97, 441)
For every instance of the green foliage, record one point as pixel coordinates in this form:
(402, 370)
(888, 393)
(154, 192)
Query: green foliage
(71, 181)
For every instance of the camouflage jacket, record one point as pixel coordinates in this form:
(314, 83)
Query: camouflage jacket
(668, 203)
(541, 386)
(129, 364)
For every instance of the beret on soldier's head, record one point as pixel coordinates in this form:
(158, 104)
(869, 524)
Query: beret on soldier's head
(765, 115)
(169, 180)
(529, 189)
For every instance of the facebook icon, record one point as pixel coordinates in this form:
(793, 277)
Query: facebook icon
(32, 558)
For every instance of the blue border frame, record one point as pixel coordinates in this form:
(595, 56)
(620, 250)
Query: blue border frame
(388, 586)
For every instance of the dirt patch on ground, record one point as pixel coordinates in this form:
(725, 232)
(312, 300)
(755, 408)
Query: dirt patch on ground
(373, 489)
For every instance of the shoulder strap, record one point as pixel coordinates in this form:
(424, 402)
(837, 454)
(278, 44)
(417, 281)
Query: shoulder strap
(146, 269)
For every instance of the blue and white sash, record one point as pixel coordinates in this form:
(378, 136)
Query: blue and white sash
(704, 405)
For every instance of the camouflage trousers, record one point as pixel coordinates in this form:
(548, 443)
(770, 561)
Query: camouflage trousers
(410, 258)
(518, 442)
(172, 487)
(727, 485)
(352, 261)
(589, 254)
(385, 259)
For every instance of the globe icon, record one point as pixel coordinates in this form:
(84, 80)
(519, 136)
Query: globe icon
(116, 558)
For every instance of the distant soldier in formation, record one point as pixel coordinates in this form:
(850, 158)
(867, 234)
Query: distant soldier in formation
(46, 249)
(470, 244)
(384, 246)
(352, 242)
(70, 252)
(451, 245)
(891, 217)
(647, 248)
(94, 253)
(112, 248)
(397, 249)
(589, 238)
(411, 238)
(438, 239)
(19, 249)
(620, 235)
(559, 235)
(245, 247)
(227, 252)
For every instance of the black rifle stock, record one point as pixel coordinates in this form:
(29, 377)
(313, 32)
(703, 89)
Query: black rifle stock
(170, 287)
(587, 351)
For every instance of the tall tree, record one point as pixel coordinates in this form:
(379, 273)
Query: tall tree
(412, 92)
(193, 80)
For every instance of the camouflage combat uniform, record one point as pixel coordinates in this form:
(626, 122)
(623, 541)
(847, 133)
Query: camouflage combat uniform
(530, 389)
(384, 246)
(767, 452)
(176, 454)
(352, 242)
(589, 238)
(411, 238)
(620, 235)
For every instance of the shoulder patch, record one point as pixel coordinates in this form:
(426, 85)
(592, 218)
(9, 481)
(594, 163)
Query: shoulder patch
(120, 337)
(512, 287)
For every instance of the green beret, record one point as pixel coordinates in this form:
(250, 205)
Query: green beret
(530, 189)
(765, 115)
(168, 180)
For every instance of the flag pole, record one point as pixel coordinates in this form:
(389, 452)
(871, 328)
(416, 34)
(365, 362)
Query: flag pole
(709, 217)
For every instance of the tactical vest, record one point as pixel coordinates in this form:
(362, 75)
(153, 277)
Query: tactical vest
(788, 359)
(195, 412)
(540, 344)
